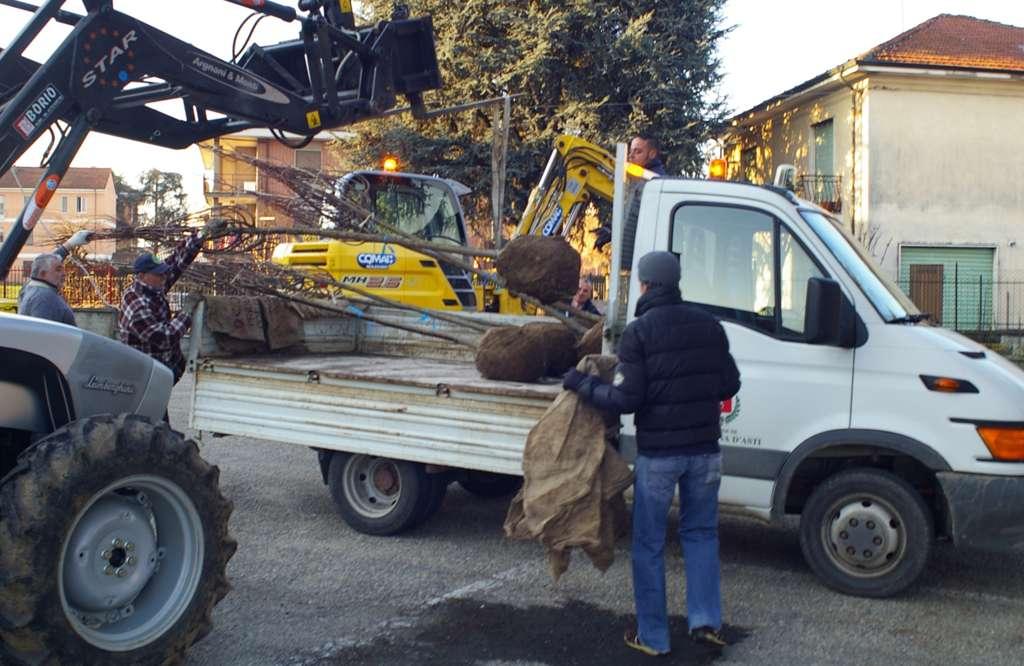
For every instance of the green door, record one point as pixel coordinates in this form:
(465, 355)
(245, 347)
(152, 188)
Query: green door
(958, 278)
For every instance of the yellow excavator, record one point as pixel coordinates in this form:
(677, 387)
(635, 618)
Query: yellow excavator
(424, 206)
(577, 172)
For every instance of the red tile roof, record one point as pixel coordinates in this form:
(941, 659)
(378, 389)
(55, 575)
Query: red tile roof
(77, 178)
(949, 40)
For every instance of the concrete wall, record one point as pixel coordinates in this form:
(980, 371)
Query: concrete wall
(947, 167)
(102, 321)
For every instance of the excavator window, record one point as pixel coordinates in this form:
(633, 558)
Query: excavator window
(421, 207)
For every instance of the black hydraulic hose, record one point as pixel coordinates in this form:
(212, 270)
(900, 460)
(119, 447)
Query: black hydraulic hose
(283, 12)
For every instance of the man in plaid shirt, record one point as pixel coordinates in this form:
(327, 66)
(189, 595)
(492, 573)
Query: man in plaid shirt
(145, 321)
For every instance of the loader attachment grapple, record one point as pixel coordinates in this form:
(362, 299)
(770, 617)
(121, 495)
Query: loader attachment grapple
(111, 68)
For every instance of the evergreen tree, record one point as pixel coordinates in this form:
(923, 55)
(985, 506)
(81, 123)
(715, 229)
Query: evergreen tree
(602, 69)
(163, 197)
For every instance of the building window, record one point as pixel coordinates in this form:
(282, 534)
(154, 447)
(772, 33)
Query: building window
(824, 148)
(3, 209)
(63, 204)
(309, 158)
(79, 204)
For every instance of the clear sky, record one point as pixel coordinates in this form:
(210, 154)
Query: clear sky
(774, 46)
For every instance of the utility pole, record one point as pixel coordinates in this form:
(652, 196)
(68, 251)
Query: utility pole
(499, 160)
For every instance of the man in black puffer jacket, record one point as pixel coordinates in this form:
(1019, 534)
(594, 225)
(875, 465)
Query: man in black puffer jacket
(674, 371)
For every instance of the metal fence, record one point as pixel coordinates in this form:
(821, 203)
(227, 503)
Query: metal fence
(969, 304)
(95, 290)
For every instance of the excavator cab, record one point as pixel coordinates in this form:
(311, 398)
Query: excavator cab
(381, 201)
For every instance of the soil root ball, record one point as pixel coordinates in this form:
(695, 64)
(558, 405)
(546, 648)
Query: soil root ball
(545, 267)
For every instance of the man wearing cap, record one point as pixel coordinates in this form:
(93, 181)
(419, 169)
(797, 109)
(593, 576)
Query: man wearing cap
(145, 321)
(674, 370)
(40, 297)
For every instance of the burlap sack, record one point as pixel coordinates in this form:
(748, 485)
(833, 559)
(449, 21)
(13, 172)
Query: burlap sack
(573, 481)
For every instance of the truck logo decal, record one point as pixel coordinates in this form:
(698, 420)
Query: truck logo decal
(730, 409)
(96, 71)
(112, 385)
(237, 79)
(38, 111)
(376, 260)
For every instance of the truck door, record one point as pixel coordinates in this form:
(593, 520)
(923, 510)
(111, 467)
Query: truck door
(747, 265)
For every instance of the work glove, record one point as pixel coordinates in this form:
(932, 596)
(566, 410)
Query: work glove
(78, 239)
(573, 380)
(214, 227)
(190, 302)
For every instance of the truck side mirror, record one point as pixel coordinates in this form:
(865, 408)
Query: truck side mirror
(822, 312)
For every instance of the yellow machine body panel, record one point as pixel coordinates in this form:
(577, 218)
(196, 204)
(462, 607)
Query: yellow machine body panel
(389, 271)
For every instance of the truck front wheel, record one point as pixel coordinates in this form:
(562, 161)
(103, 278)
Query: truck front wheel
(113, 545)
(377, 495)
(866, 532)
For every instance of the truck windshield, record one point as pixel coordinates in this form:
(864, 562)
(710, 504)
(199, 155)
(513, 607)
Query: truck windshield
(892, 304)
(421, 207)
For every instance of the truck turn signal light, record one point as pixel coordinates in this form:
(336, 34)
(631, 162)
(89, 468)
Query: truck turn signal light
(1005, 444)
(948, 384)
(389, 163)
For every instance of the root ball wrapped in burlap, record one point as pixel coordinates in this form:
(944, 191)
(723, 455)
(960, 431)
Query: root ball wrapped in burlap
(558, 343)
(545, 267)
(509, 354)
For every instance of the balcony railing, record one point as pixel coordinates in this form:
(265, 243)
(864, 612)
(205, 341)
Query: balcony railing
(232, 186)
(826, 191)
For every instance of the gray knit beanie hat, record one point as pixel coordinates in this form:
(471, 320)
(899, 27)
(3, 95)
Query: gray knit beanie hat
(659, 268)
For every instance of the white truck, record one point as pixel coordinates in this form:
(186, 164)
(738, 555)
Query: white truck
(880, 430)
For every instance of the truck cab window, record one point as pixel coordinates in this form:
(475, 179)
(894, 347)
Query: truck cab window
(742, 265)
(796, 268)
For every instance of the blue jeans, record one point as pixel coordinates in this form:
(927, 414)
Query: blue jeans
(698, 478)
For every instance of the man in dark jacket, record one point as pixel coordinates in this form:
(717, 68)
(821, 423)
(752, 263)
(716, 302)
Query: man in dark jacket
(674, 370)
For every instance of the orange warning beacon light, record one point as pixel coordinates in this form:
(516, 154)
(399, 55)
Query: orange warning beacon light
(718, 169)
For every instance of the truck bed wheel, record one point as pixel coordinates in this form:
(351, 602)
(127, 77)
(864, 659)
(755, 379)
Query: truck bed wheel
(113, 545)
(866, 532)
(377, 495)
(487, 484)
(436, 487)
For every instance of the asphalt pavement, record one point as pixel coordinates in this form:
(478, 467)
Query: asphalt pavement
(307, 589)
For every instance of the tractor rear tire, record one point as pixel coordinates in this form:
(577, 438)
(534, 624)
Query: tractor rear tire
(113, 546)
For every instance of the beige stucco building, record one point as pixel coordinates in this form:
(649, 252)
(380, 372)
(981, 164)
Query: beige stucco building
(917, 146)
(86, 199)
(234, 182)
